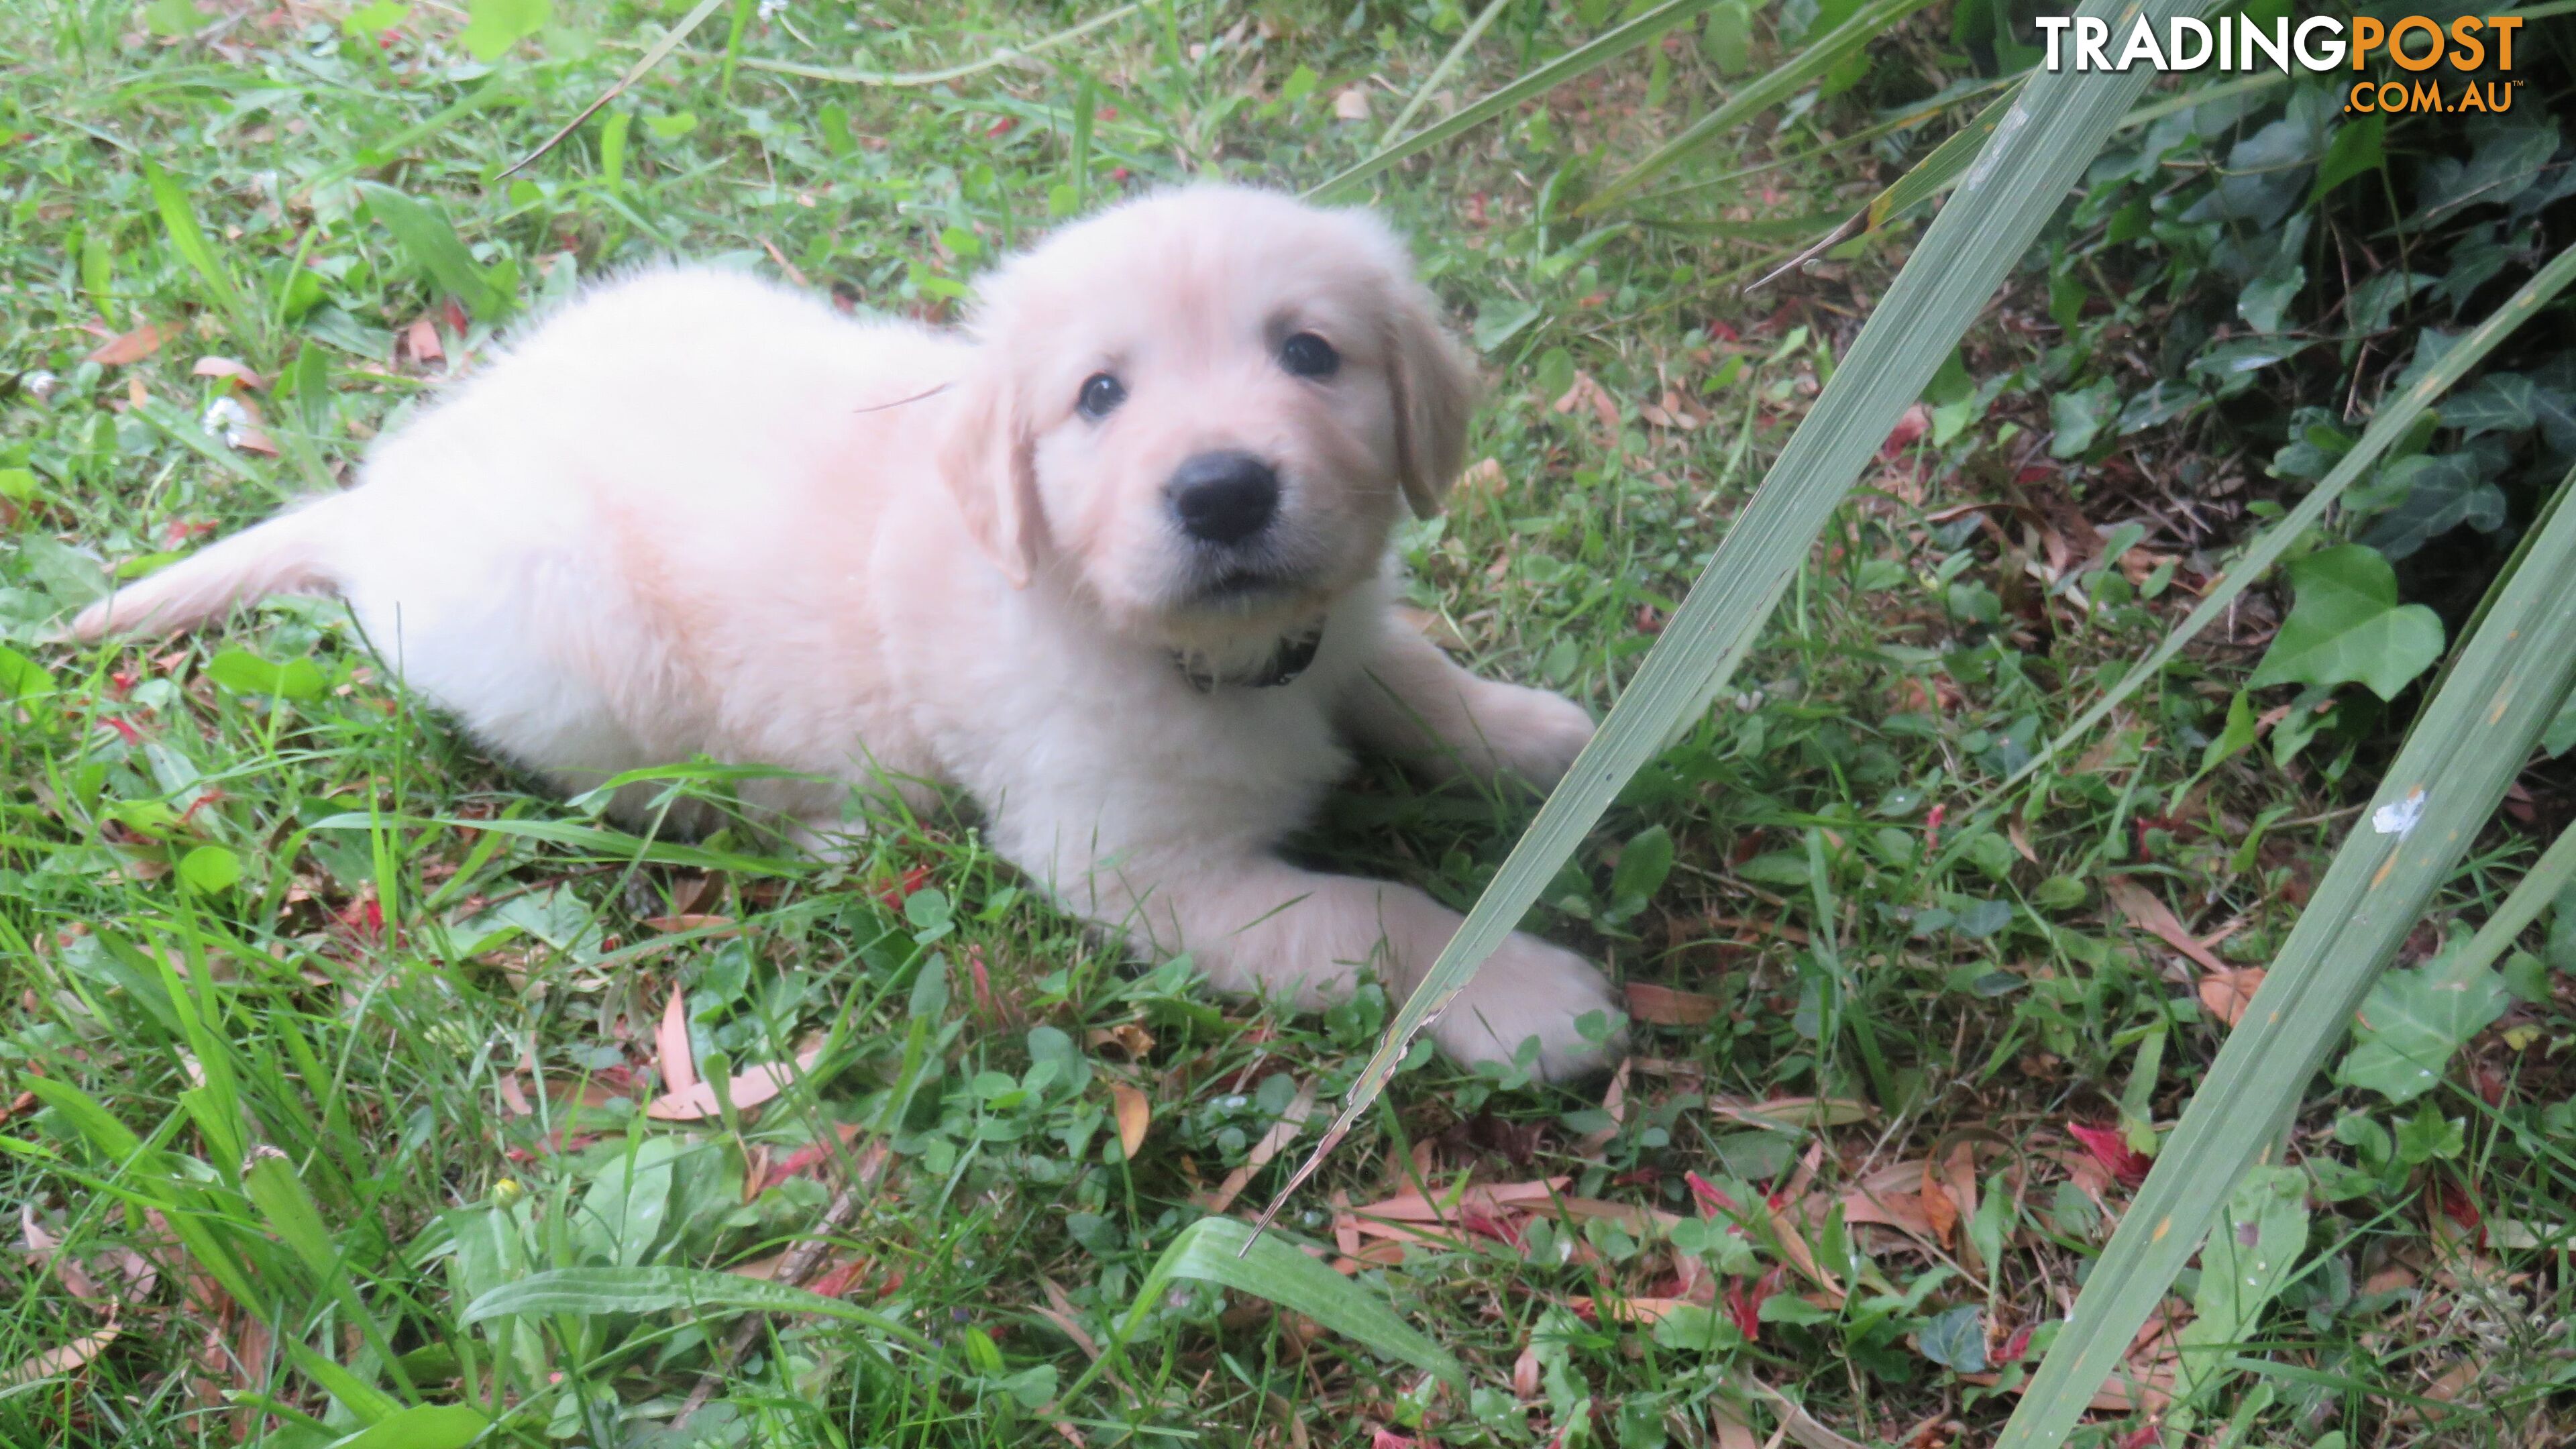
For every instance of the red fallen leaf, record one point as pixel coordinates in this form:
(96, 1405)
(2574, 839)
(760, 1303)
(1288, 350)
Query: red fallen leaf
(804, 1160)
(2113, 1151)
(1109, 113)
(1476, 1220)
(1001, 127)
(1389, 1439)
(1711, 1201)
(421, 339)
(125, 727)
(180, 531)
(840, 1278)
(1118, 173)
(133, 346)
(1746, 1309)
(1723, 333)
(2460, 1208)
(2034, 473)
(454, 315)
(983, 979)
(1932, 827)
(2143, 1436)
(364, 916)
(1913, 425)
(122, 682)
(894, 893)
(2015, 1346)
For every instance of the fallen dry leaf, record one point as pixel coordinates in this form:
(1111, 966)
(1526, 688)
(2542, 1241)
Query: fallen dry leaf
(691, 921)
(62, 1360)
(1626, 1310)
(132, 347)
(747, 1089)
(1135, 1113)
(1793, 1112)
(1587, 393)
(422, 341)
(671, 1045)
(2154, 917)
(2227, 991)
(226, 367)
(1939, 1208)
(1351, 104)
(1664, 1006)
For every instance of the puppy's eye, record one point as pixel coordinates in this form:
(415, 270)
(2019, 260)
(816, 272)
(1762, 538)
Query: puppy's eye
(1308, 355)
(1100, 396)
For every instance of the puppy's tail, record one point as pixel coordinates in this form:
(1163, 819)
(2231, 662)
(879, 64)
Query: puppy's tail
(287, 554)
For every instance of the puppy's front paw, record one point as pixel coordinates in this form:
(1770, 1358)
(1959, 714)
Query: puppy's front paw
(1532, 734)
(1529, 988)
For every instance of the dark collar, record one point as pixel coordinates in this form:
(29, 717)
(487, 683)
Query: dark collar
(1288, 659)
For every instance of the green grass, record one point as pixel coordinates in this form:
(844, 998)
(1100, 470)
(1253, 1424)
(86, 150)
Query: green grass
(254, 901)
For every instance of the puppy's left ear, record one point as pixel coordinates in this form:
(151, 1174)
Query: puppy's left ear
(1435, 392)
(986, 461)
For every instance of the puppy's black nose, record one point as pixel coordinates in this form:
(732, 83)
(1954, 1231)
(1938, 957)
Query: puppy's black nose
(1224, 497)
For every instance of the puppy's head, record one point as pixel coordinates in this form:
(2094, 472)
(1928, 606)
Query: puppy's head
(1204, 409)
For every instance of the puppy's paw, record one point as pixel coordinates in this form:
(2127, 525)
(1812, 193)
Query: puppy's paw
(1533, 735)
(1529, 988)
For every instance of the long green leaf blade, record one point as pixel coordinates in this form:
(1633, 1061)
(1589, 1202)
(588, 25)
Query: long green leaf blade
(2470, 743)
(2042, 145)
(587, 1291)
(1231, 1253)
(1582, 60)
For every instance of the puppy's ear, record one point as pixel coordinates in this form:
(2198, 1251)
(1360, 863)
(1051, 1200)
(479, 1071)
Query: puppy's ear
(988, 461)
(1435, 392)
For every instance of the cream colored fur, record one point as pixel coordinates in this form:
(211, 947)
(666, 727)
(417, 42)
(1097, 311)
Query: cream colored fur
(697, 514)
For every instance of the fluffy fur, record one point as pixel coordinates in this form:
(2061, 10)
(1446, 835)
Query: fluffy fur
(696, 514)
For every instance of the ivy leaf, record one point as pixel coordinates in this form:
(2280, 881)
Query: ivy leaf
(2245, 1266)
(2503, 166)
(2501, 402)
(2440, 492)
(493, 26)
(1643, 865)
(2268, 296)
(2356, 148)
(1956, 1339)
(2347, 627)
(2413, 1021)
(2078, 417)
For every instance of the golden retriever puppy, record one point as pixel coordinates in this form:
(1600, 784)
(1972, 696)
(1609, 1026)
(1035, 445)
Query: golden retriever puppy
(1116, 564)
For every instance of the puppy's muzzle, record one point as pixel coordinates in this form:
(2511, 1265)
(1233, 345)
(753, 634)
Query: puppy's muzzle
(1225, 498)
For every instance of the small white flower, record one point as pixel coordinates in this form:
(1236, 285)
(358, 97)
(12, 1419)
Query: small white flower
(40, 385)
(772, 9)
(2398, 817)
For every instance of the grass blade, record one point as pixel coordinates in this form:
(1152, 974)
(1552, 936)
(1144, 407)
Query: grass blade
(1580, 61)
(998, 56)
(2474, 735)
(1422, 93)
(653, 56)
(588, 1291)
(2042, 145)
(1937, 172)
(433, 244)
(2391, 423)
(1838, 45)
(1232, 1253)
(428, 1426)
(179, 221)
